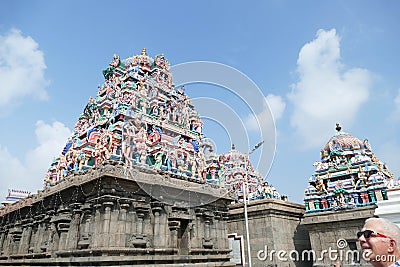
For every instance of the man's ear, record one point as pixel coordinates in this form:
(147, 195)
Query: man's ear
(392, 246)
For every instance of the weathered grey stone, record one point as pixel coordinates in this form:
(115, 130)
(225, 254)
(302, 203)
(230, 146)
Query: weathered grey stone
(110, 216)
(328, 229)
(274, 225)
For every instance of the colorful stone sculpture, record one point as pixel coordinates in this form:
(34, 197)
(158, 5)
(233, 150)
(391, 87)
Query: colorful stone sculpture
(139, 118)
(235, 168)
(348, 176)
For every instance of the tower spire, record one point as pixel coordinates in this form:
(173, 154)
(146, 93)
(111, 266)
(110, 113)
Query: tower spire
(338, 127)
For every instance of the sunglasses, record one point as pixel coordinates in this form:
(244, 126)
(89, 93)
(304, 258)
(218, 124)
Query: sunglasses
(369, 233)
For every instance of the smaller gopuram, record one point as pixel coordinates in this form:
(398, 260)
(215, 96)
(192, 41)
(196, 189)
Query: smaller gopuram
(343, 192)
(14, 196)
(235, 168)
(348, 176)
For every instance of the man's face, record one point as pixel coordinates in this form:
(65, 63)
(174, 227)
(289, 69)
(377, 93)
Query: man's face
(376, 244)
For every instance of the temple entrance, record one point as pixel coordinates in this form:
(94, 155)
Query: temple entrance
(183, 238)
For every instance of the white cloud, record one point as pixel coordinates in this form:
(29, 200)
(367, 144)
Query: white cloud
(325, 93)
(22, 69)
(274, 104)
(277, 105)
(28, 174)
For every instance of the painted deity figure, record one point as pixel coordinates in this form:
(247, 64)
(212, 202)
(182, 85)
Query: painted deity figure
(221, 173)
(62, 167)
(180, 163)
(128, 143)
(194, 166)
(362, 180)
(171, 161)
(319, 185)
(158, 160)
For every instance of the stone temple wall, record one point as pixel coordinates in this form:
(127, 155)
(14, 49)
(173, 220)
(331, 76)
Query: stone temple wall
(273, 225)
(333, 235)
(106, 218)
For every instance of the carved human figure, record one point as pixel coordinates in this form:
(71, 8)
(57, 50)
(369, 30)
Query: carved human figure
(180, 163)
(194, 166)
(158, 160)
(128, 143)
(362, 180)
(319, 184)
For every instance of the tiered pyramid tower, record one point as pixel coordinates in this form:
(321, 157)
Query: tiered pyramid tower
(138, 118)
(235, 168)
(349, 175)
(136, 183)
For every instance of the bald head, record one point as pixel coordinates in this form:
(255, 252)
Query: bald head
(385, 227)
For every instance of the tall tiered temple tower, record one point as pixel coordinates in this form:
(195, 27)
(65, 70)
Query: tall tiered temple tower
(136, 184)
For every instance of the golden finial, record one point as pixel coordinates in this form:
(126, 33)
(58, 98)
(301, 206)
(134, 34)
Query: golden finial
(144, 52)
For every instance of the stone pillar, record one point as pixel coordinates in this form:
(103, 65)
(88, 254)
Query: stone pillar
(163, 229)
(139, 225)
(85, 228)
(97, 226)
(122, 226)
(364, 197)
(316, 204)
(130, 219)
(215, 231)
(3, 235)
(39, 234)
(207, 223)
(378, 195)
(26, 237)
(356, 199)
(73, 232)
(372, 195)
(312, 205)
(63, 222)
(105, 232)
(16, 235)
(198, 229)
(7, 244)
(173, 227)
(113, 230)
(158, 238)
(324, 203)
(224, 233)
(53, 238)
(63, 228)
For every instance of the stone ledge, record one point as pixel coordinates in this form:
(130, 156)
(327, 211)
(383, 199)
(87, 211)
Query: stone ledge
(268, 206)
(335, 216)
(137, 174)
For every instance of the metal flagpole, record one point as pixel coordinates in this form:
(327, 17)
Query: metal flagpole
(246, 199)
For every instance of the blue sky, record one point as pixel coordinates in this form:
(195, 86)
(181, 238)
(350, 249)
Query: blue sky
(316, 62)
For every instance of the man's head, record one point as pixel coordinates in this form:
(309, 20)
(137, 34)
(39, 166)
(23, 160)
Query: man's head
(380, 241)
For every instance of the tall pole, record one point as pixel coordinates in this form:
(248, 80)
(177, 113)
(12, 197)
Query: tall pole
(245, 199)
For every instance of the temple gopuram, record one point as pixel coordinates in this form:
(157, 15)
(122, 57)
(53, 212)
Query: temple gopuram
(137, 118)
(14, 196)
(348, 176)
(137, 183)
(235, 168)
